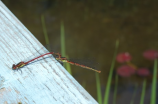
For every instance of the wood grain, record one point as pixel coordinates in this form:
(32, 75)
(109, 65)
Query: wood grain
(44, 83)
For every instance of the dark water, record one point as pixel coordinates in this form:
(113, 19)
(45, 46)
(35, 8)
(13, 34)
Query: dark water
(91, 30)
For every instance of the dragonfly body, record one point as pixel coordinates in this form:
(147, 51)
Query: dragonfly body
(18, 66)
(57, 57)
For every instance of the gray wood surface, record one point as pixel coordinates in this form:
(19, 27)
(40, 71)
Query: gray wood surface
(42, 82)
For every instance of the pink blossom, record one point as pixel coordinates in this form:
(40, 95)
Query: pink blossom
(123, 57)
(151, 54)
(125, 71)
(143, 72)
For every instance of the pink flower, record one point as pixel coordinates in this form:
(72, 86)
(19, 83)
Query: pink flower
(125, 71)
(151, 54)
(143, 72)
(123, 57)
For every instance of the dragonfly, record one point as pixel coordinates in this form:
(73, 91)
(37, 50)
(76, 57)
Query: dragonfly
(58, 57)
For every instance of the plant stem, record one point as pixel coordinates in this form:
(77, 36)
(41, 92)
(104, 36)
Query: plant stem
(107, 90)
(62, 39)
(143, 92)
(44, 30)
(98, 88)
(153, 90)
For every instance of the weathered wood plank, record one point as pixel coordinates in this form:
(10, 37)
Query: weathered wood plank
(44, 83)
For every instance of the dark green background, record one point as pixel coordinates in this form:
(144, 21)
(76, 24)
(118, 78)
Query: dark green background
(91, 30)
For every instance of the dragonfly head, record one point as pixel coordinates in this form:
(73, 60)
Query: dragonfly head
(14, 67)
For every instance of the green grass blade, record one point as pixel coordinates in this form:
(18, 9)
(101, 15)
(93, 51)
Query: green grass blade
(99, 96)
(115, 90)
(143, 92)
(62, 39)
(44, 30)
(107, 90)
(63, 48)
(135, 90)
(68, 67)
(153, 90)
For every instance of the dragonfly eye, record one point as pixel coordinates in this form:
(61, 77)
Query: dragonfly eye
(14, 66)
